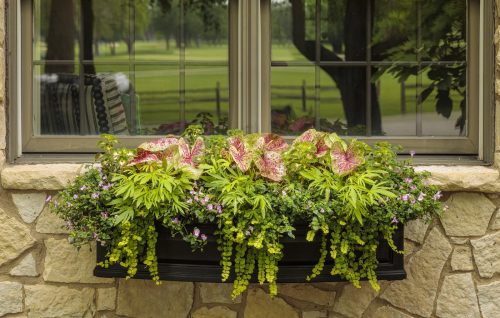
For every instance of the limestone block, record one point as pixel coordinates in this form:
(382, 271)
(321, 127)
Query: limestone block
(29, 205)
(458, 297)
(50, 223)
(314, 314)
(217, 293)
(15, 238)
(487, 254)
(464, 178)
(65, 264)
(214, 312)
(489, 299)
(39, 177)
(354, 301)
(307, 293)
(145, 299)
(259, 305)
(52, 301)
(416, 294)
(415, 230)
(388, 312)
(461, 259)
(11, 298)
(495, 225)
(459, 240)
(468, 215)
(26, 267)
(106, 298)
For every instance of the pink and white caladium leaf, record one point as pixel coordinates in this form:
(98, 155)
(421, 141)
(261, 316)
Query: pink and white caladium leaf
(239, 151)
(307, 136)
(271, 166)
(317, 138)
(143, 157)
(345, 160)
(271, 142)
(321, 148)
(159, 145)
(191, 156)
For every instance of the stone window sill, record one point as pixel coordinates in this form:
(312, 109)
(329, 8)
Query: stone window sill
(53, 177)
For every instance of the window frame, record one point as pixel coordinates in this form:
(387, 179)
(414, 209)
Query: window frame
(250, 91)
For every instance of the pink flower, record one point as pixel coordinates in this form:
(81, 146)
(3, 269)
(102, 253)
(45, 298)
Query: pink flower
(405, 197)
(421, 196)
(408, 180)
(210, 207)
(203, 237)
(196, 232)
(344, 161)
(437, 196)
(394, 220)
(49, 197)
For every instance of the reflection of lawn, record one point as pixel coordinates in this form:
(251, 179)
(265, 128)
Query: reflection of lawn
(157, 106)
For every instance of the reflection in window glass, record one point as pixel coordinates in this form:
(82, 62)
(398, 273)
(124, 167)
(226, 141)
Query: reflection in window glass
(130, 66)
(381, 68)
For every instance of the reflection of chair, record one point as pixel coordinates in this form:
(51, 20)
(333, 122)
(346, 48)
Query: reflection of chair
(101, 109)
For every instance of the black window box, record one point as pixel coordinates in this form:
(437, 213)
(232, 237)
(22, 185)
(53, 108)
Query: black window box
(176, 261)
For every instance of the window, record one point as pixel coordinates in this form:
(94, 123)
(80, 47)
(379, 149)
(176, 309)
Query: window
(414, 72)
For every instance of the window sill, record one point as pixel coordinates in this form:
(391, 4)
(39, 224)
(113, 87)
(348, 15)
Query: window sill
(54, 176)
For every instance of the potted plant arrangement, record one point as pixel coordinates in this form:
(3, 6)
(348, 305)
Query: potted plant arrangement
(248, 196)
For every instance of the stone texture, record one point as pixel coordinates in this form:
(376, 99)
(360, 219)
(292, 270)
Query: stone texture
(259, 305)
(307, 293)
(14, 238)
(26, 267)
(459, 240)
(11, 298)
(65, 264)
(416, 294)
(39, 176)
(415, 230)
(52, 301)
(489, 299)
(50, 223)
(495, 224)
(29, 205)
(354, 301)
(388, 312)
(314, 314)
(458, 297)
(106, 298)
(214, 312)
(461, 259)
(487, 254)
(469, 214)
(217, 293)
(143, 298)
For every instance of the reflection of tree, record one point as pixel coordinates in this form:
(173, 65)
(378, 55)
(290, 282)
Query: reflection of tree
(393, 37)
(61, 36)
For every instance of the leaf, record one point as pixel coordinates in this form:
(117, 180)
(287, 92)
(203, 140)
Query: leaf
(444, 104)
(425, 94)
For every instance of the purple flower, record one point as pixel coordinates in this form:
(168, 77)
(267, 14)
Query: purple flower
(95, 236)
(69, 205)
(56, 203)
(196, 198)
(83, 188)
(408, 180)
(206, 199)
(196, 232)
(203, 237)
(210, 207)
(394, 220)
(405, 197)
(107, 186)
(75, 196)
(95, 195)
(219, 209)
(412, 153)
(189, 201)
(69, 225)
(49, 197)
(104, 214)
(192, 192)
(421, 196)
(413, 201)
(437, 196)
(175, 220)
(413, 188)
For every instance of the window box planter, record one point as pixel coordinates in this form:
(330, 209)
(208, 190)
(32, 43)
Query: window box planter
(177, 262)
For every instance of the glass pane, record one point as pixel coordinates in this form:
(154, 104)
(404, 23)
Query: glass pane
(156, 31)
(394, 31)
(343, 100)
(56, 30)
(157, 100)
(343, 30)
(444, 100)
(444, 29)
(293, 30)
(110, 37)
(206, 32)
(292, 99)
(207, 98)
(397, 99)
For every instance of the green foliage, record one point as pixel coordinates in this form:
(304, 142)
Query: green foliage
(350, 196)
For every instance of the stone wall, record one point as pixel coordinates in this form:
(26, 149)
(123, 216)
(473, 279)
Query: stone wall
(453, 264)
